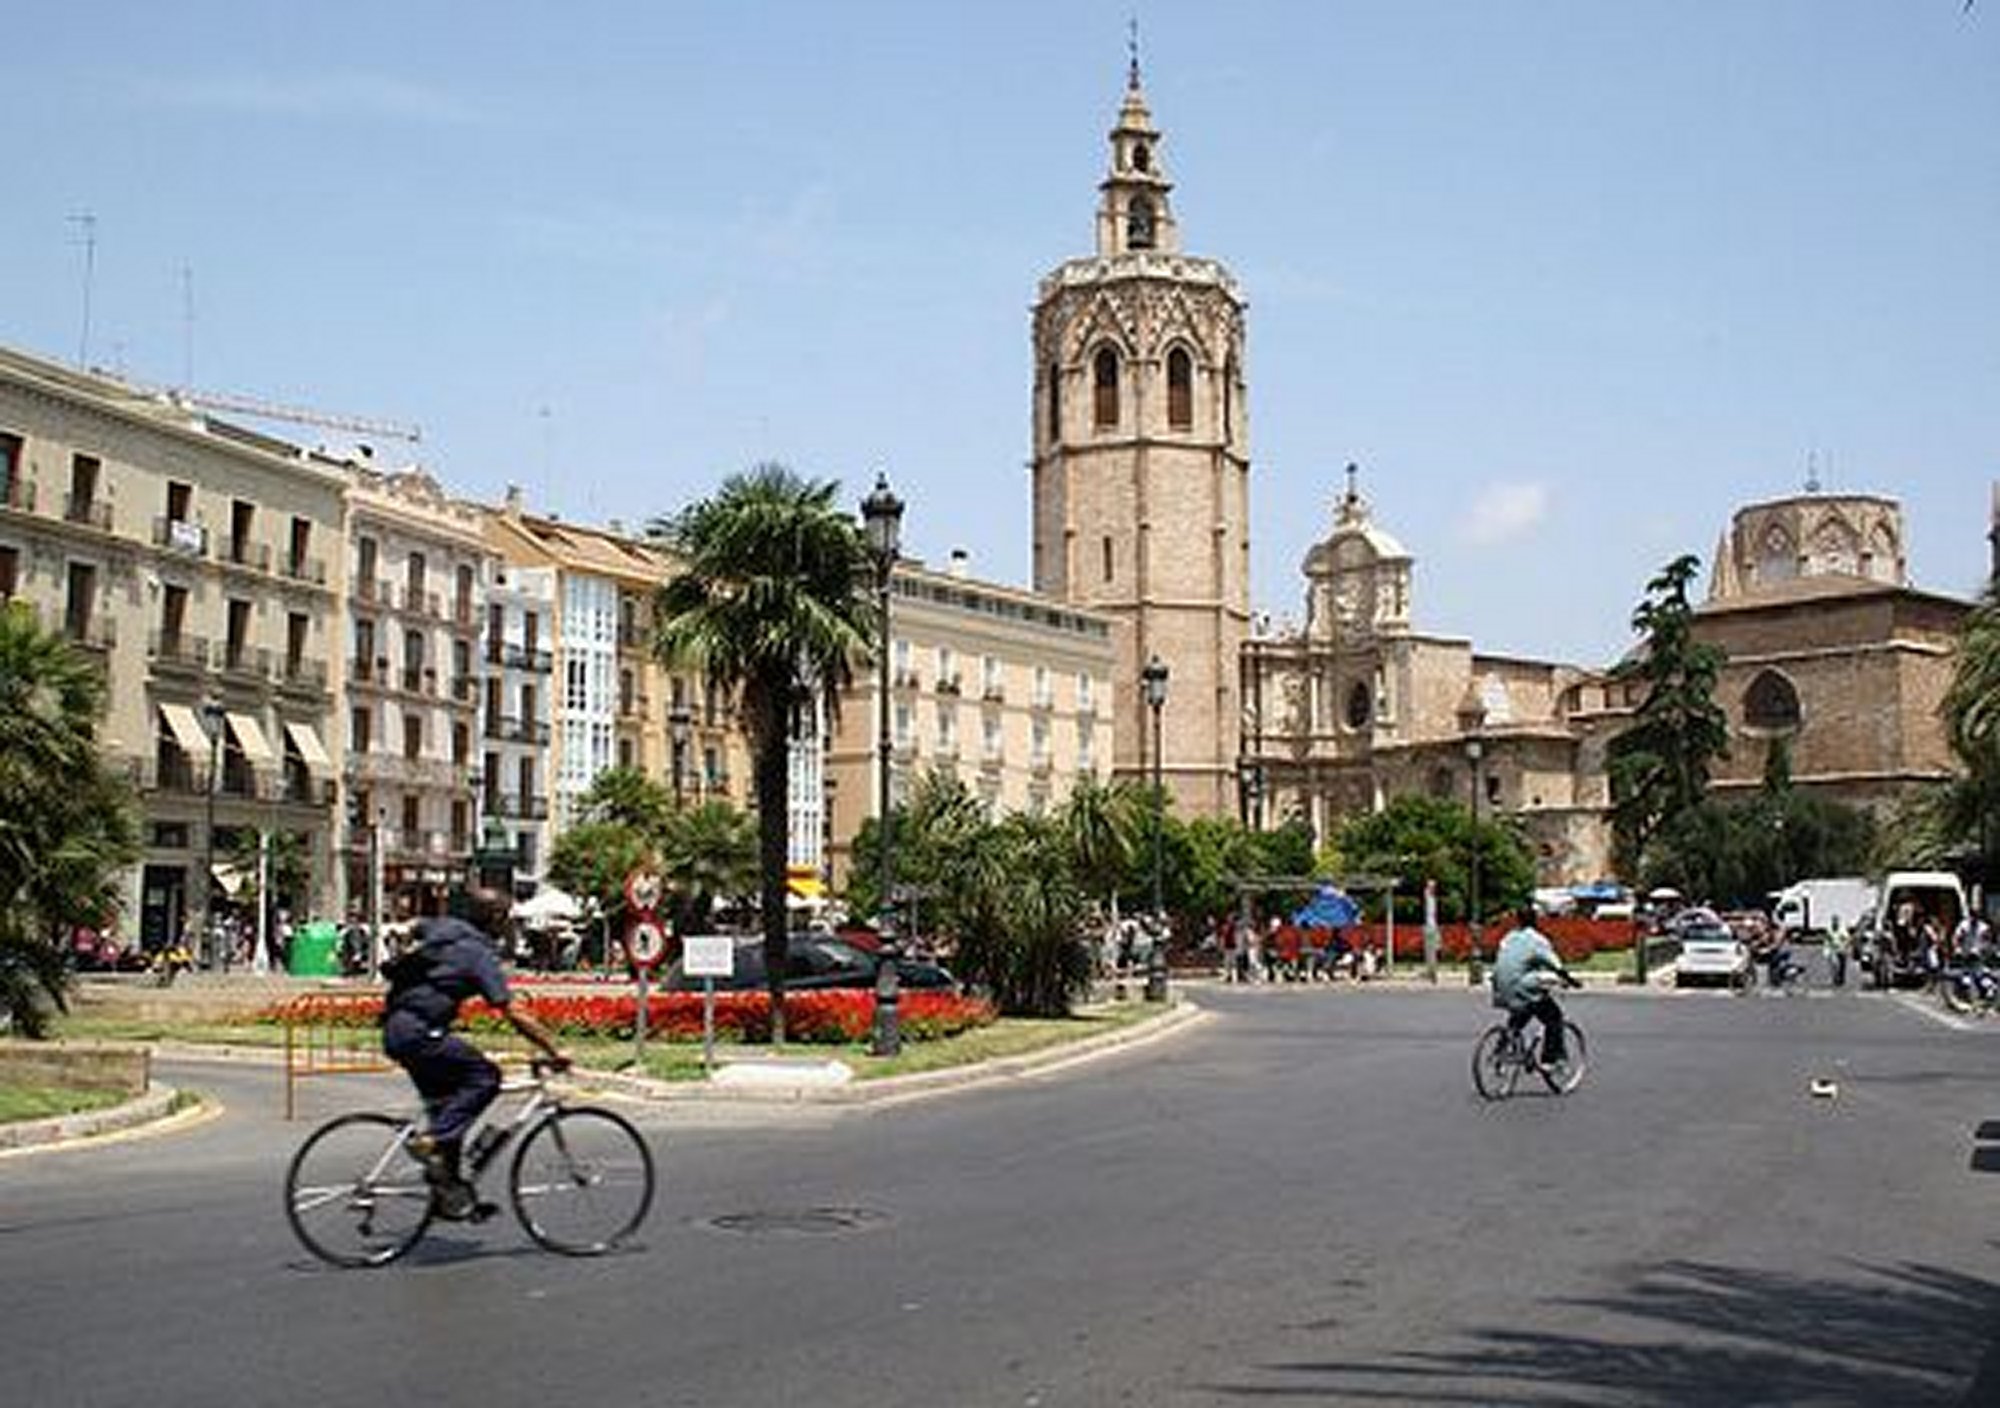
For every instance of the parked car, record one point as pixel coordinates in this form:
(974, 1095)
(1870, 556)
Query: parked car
(1711, 952)
(814, 961)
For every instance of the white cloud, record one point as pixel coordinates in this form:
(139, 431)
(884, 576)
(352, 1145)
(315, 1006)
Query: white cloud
(1504, 511)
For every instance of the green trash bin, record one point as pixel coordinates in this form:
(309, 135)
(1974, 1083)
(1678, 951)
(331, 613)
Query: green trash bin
(315, 950)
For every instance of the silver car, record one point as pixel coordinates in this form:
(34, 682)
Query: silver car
(1710, 951)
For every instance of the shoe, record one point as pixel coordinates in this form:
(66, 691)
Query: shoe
(456, 1201)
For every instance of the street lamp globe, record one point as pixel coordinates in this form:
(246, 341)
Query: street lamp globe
(882, 521)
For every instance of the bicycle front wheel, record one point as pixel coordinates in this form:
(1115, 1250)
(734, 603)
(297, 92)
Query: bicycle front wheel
(582, 1181)
(1567, 1074)
(1496, 1063)
(354, 1194)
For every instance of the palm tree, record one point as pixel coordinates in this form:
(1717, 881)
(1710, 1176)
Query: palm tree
(67, 823)
(1105, 826)
(774, 602)
(709, 853)
(1971, 711)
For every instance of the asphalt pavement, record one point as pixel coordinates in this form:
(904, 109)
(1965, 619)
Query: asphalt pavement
(1297, 1199)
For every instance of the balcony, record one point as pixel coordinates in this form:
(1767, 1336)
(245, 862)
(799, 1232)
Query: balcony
(906, 679)
(517, 806)
(251, 662)
(362, 670)
(419, 602)
(301, 789)
(373, 591)
(177, 650)
(948, 684)
(180, 536)
(530, 657)
(88, 510)
(465, 690)
(244, 553)
(632, 636)
(302, 674)
(18, 494)
(91, 632)
(994, 693)
(632, 707)
(177, 776)
(299, 568)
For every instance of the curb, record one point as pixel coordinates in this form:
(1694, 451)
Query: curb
(1179, 1014)
(155, 1105)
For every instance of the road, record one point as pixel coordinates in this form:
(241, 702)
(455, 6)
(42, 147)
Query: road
(1297, 1199)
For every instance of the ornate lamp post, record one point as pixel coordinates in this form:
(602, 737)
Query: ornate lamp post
(882, 520)
(679, 722)
(1153, 679)
(1475, 751)
(212, 714)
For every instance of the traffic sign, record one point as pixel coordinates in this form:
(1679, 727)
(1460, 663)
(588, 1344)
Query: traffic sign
(643, 889)
(645, 941)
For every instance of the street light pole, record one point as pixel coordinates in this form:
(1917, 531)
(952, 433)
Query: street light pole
(212, 714)
(679, 721)
(1154, 679)
(1475, 750)
(882, 519)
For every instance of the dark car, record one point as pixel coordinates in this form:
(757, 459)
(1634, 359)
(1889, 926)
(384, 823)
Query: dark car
(815, 961)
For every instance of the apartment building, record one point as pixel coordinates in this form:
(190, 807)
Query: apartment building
(612, 703)
(418, 577)
(518, 712)
(199, 562)
(1005, 688)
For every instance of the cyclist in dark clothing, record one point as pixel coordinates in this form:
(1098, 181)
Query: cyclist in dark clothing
(452, 960)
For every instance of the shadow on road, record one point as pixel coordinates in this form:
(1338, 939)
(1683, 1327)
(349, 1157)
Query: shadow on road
(1696, 1333)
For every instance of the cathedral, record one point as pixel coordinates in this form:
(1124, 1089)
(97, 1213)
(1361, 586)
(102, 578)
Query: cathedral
(1141, 491)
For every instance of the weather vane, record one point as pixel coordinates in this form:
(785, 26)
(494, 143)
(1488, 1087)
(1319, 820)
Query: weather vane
(1132, 48)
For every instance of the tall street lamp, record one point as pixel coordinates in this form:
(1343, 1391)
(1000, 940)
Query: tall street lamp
(1250, 787)
(679, 722)
(212, 714)
(1153, 678)
(1475, 751)
(882, 520)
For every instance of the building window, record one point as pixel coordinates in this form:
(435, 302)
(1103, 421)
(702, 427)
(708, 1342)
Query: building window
(903, 724)
(1771, 702)
(461, 744)
(993, 737)
(411, 822)
(298, 629)
(361, 729)
(1055, 401)
(10, 468)
(83, 477)
(10, 572)
(1104, 385)
(413, 736)
(1359, 705)
(414, 583)
(1085, 694)
(1086, 746)
(1110, 558)
(236, 643)
(1180, 390)
(1044, 692)
(301, 546)
(242, 524)
(1139, 223)
(496, 633)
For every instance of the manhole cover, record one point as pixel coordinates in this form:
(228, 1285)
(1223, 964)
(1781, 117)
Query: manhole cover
(808, 1222)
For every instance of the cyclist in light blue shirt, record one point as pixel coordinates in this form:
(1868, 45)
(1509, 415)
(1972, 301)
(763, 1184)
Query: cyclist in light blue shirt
(1525, 973)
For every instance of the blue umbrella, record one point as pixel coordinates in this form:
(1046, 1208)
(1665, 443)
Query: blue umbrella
(1329, 909)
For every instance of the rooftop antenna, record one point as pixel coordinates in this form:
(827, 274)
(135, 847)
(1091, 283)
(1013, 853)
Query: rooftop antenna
(1132, 48)
(88, 222)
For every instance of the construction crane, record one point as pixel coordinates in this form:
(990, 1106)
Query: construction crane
(297, 415)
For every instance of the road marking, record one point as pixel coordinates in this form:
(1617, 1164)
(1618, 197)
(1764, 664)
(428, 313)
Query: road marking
(1934, 1012)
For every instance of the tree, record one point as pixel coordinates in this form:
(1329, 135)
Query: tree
(709, 853)
(591, 861)
(1417, 838)
(68, 824)
(774, 601)
(1734, 854)
(1019, 916)
(1971, 711)
(628, 797)
(287, 863)
(1105, 827)
(1659, 767)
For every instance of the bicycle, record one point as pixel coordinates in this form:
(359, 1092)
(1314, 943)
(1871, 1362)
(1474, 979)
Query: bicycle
(581, 1180)
(1969, 986)
(1504, 1052)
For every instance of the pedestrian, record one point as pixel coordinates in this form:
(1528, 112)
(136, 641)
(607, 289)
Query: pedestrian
(1836, 950)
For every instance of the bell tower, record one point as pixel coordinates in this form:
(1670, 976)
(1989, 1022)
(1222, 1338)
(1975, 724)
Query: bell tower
(1141, 465)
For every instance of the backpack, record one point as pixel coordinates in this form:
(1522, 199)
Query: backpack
(414, 968)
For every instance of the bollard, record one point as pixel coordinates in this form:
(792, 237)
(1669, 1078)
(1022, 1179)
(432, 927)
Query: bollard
(1156, 973)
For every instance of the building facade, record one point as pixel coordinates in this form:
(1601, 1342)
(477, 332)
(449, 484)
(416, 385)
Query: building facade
(1141, 465)
(417, 582)
(200, 563)
(1009, 691)
(518, 714)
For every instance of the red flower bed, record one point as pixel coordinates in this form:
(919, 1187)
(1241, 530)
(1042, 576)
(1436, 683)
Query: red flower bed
(1574, 938)
(834, 1016)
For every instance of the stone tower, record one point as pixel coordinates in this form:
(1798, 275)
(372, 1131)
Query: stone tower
(1142, 467)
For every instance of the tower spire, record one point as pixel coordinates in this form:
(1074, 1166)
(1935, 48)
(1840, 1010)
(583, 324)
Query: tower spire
(1132, 49)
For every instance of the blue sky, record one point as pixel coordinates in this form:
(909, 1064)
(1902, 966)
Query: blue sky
(1570, 279)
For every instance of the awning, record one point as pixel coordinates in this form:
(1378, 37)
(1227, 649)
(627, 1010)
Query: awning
(806, 887)
(307, 742)
(186, 729)
(251, 740)
(230, 879)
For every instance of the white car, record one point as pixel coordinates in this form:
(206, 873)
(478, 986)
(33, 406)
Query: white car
(1710, 951)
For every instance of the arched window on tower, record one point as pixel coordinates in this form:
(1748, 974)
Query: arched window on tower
(1229, 399)
(1180, 390)
(1139, 223)
(1055, 400)
(1142, 159)
(1104, 381)
(1771, 702)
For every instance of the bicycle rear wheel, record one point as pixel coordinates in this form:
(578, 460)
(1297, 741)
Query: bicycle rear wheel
(354, 1194)
(1567, 1074)
(581, 1181)
(1496, 1063)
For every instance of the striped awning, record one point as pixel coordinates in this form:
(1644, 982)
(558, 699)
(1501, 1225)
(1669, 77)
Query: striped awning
(250, 738)
(186, 729)
(307, 742)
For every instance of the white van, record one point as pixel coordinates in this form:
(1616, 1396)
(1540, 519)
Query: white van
(1906, 899)
(1810, 908)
